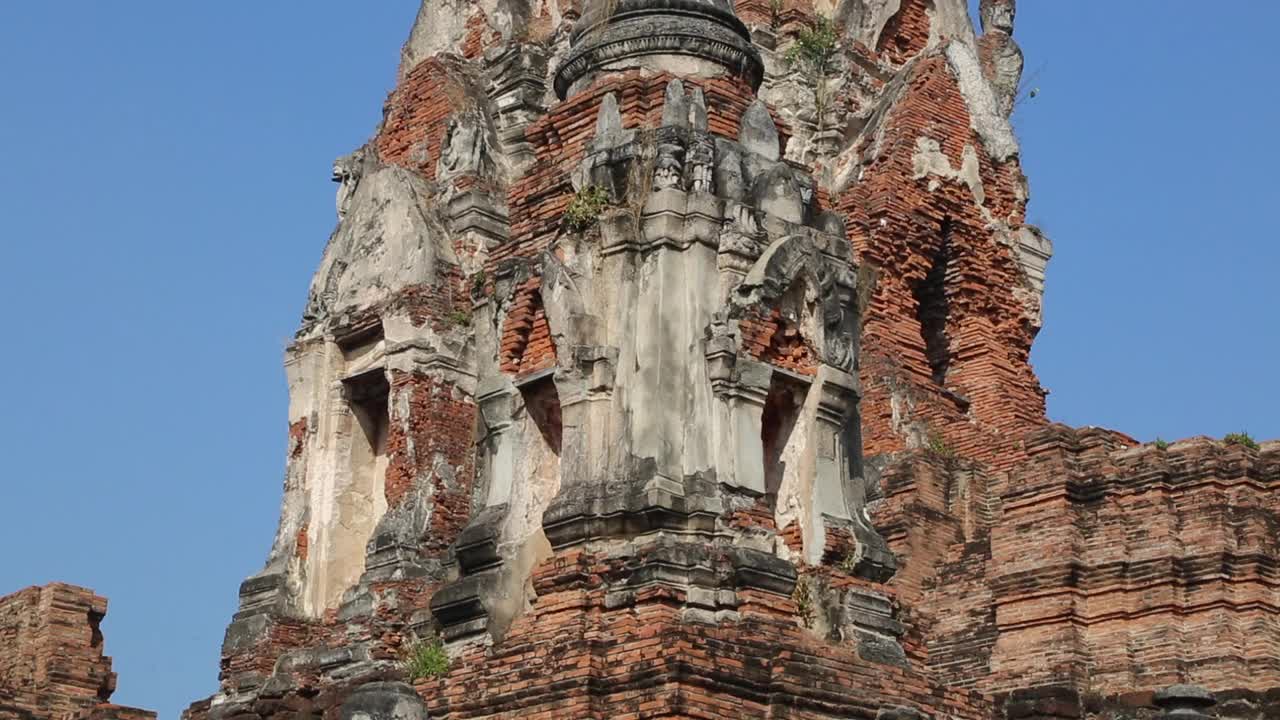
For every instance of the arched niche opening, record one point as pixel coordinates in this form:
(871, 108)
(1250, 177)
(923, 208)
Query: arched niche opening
(542, 403)
(351, 472)
(782, 408)
(933, 308)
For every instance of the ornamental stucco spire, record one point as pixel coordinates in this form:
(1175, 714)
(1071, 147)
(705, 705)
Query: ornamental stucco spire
(683, 36)
(654, 372)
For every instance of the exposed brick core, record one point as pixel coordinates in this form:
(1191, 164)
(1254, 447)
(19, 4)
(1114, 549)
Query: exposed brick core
(297, 438)
(526, 337)
(446, 306)
(479, 35)
(51, 661)
(417, 116)
(907, 32)
(387, 626)
(431, 437)
(784, 17)
(775, 339)
(302, 542)
(1041, 571)
(990, 397)
(647, 661)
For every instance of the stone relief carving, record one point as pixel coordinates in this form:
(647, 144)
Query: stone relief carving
(465, 149)
(347, 171)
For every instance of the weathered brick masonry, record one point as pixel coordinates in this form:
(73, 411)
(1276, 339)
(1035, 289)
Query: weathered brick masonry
(573, 567)
(575, 657)
(51, 657)
(755, 435)
(1096, 564)
(982, 395)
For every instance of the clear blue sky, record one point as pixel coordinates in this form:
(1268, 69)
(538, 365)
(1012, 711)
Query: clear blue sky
(166, 198)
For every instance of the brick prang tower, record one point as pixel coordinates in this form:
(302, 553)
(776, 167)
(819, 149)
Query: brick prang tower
(670, 359)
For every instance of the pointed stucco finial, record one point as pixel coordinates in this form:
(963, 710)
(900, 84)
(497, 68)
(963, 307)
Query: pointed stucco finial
(698, 111)
(608, 121)
(675, 107)
(758, 133)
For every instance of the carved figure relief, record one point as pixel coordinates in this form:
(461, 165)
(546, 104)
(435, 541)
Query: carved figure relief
(465, 150)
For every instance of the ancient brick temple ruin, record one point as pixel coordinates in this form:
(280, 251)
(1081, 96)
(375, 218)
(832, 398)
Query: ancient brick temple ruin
(51, 661)
(671, 360)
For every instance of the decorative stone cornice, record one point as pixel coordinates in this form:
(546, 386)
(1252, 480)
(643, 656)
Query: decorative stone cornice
(706, 29)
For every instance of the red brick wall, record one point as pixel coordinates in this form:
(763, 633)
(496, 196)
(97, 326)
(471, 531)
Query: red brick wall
(776, 340)
(906, 33)
(431, 442)
(991, 396)
(786, 16)
(417, 115)
(573, 657)
(51, 661)
(1139, 567)
(1094, 563)
(527, 346)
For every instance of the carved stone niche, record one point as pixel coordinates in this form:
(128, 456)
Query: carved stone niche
(466, 149)
(660, 434)
(808, 464)
(498, 548)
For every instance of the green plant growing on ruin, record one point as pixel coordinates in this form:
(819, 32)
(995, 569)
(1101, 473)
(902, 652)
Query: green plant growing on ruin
(585, 208)
(425, 658)
(460, 318)
(814, 53)
(775, 13)
(802, 596)
(938, 446)
(815, 46)
(478, 279)
(1161, 444)
(1241, 438)
(849, 563)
